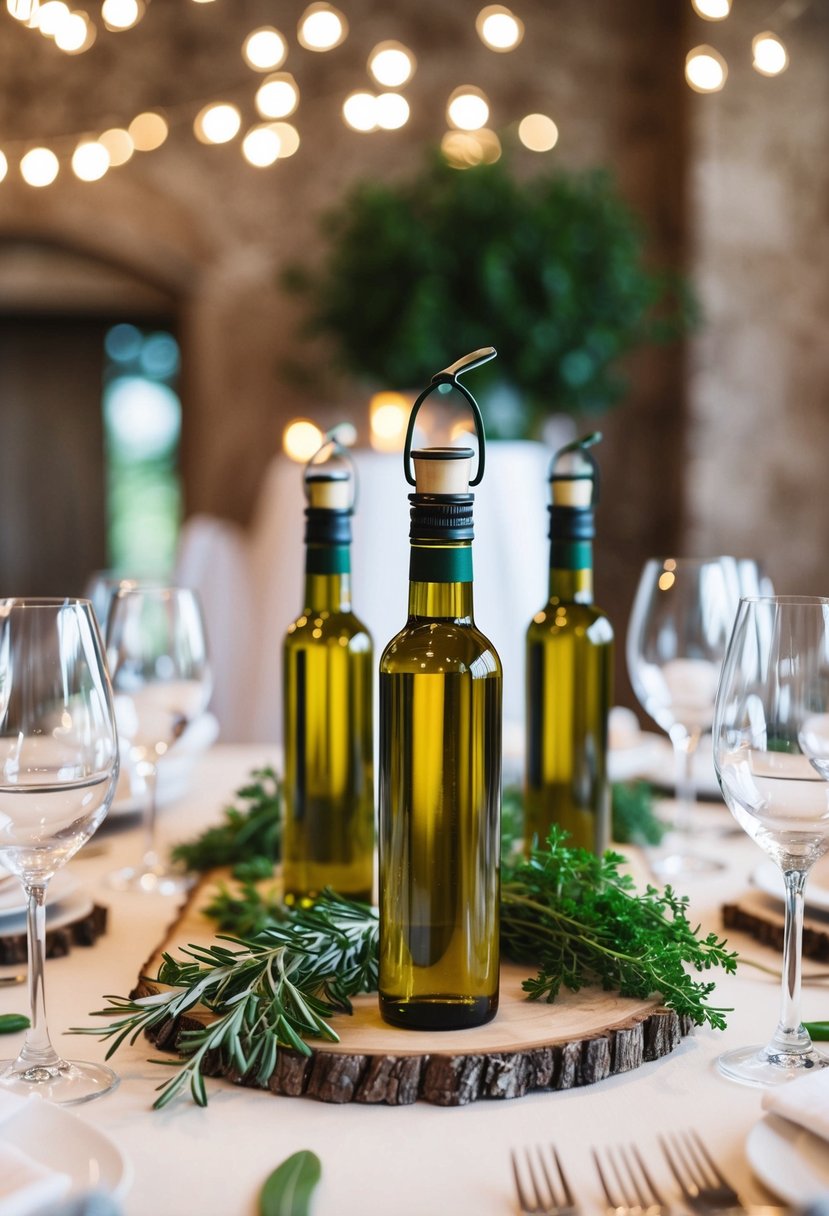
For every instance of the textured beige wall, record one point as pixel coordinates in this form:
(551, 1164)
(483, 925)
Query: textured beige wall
(759, 367)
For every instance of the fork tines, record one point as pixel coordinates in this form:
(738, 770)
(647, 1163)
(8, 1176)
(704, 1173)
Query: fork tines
(627, 1184)
(702, 1183)
(542, 1190)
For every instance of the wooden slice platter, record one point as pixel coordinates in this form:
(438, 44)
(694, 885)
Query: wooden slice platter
(582, 1038)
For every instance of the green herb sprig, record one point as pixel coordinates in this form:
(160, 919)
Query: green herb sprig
(249, 833)
(275, 990)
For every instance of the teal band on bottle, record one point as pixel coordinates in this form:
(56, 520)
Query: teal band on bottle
(571, 555)
(328, 559)
(440, 564)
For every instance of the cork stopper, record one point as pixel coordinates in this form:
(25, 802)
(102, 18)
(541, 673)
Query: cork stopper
(442, 470)
(574, 475)
(330, 489)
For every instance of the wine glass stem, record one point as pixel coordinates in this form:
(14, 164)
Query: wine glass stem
(149, 772)
(790, 1035)
(684, 750)
(37, 1050)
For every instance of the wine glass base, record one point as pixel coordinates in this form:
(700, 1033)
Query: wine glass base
(66, 1082)
(151, 880)
(684, 865)
(762, 1066)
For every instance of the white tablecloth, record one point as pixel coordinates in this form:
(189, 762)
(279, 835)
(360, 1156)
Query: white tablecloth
(375, 1159)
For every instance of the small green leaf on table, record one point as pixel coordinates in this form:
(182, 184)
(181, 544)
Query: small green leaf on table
(10, 1023)
(817, 1030)
(288, 1190)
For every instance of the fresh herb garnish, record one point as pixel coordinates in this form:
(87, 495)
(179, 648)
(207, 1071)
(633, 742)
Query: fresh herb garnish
(10, 1023)
(819, 1031)
(249, 833)
(276, 990)
(288, 1190)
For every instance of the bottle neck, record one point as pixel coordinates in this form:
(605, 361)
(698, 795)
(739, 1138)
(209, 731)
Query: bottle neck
(327, 578)
(440, 582)
(571, 571)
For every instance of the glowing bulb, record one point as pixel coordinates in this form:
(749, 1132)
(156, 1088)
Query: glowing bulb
(705, 69)
(261, 146)
(391, 64)
(360, 111)
(4, 166)
(39, 167)
(121, 14)
(23, 10)
(148, 131)
(321, 28)
(498, 28)
(288, 138)
(75, 34)
(118, 144)
(301, 439)
(51, 16)
(770, 56)
(463, 149)
(388, 419)
(392, 111)
(712, 10)
(264, 49)
(217, 123)
(468, 108)
(538, 132)
(277, 96)
(90, 161)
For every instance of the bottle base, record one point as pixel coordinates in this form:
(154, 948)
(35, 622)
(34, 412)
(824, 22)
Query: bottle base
(439, 1012)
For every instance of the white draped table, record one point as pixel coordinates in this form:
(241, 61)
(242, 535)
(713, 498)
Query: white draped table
(376, 1160)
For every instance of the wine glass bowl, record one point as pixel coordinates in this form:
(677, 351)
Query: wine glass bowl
(58, 773)
(770, 754)
(679, 627)
(161, 678)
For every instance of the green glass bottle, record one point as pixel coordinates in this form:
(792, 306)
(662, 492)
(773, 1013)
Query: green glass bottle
(440, 764)
(328, 824)
(569, 670)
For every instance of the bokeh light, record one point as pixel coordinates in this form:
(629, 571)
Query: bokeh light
(39, 167)
(261, 146)
(392, 111)
(217, 123)
(121, 14)
(264, 49)
(301, 439)
(148, 131)
(118, 144)
(90, 161)
(705, 69)
(498, 28)
(465, 149)
(388, 419)
(50, 16)
(467, 108)
(277, 96)
(538, 132)
(4, 166)
(360, 111)
(288, 139)
(321, 27)
(712, 10)
(770, 55)
(75, 34)
(391, 64)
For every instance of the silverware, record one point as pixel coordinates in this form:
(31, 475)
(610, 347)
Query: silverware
(628, 1186)
(703, 1185)
(541, 1196)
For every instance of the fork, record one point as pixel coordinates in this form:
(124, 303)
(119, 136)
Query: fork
(627, 1184)
(703, 1185)
(542, 1197)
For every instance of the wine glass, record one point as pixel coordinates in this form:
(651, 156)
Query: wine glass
(770, 746)
(58, 772)
(679, 628)
(161, 678)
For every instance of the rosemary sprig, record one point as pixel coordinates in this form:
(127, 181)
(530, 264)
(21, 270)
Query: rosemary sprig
(249, 833)
(276, 990)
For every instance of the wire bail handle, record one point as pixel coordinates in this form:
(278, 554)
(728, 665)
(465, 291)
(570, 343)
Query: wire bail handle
(449, 376)
(581, 446)
(337, 449)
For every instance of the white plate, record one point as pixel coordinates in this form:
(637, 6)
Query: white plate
(73, 907)
(59, 1140)
(768, 879)
(790, 1161)
(13, 901)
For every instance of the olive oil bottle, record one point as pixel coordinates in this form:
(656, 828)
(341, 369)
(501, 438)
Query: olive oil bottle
(440, 762)
(328, 824)
(569, 670)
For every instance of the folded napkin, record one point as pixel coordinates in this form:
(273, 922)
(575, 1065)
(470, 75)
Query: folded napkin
(805, 1102)
(25, 1184)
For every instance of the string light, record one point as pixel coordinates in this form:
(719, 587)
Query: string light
(261, 146)
(301, 439)
(321, 28)
(23, 10)
(39, 167)
(217, 123)
(770, 55)
(288, 139)
(465, 149)
(118, 144)
(4, 166)
(712, 10)
(467, 108)
(277, 96)
(360, 111)
(392, 111)
(90, 161)
(51, 16)
(538, 132)
(148, 131)
(76, 34)
(391, 64)
(498, 28)
(388, 417)
(121, 14)
(264, 49)
(705, 69)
